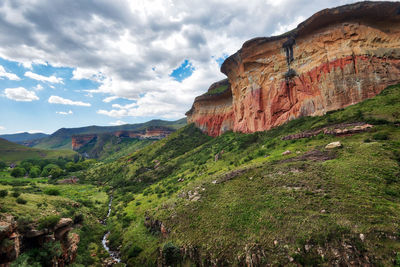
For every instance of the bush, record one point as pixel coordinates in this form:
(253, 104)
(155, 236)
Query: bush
(134, 251)
(21, 201)
(34, 172)
(171, 253)
(2, 165)
(24, 223)
(18, 172)
(15, 194)
(52, 192)
(381, 136)
(78, 218)
(3, 193)
(48, 222)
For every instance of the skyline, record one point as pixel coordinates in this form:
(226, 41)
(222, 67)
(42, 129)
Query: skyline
(67, 64)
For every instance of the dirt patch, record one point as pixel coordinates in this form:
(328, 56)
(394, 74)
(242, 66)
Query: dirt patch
(342, 129)
(313, 155)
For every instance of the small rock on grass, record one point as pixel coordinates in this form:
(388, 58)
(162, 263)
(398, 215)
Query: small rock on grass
(332, 145)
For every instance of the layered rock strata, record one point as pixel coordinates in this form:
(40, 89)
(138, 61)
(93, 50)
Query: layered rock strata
(341, 56)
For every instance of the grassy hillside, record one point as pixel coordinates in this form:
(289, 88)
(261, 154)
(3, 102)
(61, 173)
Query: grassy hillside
(61, 139)
(309, 206)
(108, 147)
(43, 200)
(12, 153)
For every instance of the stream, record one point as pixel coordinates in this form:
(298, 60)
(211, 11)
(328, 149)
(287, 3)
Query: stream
(113, 254)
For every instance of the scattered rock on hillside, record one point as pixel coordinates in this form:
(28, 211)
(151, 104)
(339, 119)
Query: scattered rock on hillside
(287, 152)
(332, 145)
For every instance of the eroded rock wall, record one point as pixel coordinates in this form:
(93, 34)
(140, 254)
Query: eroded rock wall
(341, 57)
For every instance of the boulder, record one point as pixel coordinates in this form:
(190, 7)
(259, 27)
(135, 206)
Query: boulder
(333, 145)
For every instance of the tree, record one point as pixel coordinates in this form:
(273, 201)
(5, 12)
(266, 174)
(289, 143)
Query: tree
(34, 172)
(56, 172)
(18, 172)
(48, 168)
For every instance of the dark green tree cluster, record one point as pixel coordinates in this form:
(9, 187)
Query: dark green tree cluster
(53, 168)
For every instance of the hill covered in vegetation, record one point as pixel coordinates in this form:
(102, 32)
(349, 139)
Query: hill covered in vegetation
(12, 153)
(276, 197)
(61, 139)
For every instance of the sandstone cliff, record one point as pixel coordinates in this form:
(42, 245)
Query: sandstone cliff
(341, 56)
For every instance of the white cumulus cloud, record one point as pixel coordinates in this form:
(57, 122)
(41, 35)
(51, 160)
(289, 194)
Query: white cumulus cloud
(109, 99)
(38, 77)
(63, 101)
(20, 94)
(130, 48)
(118, 122)
(8, 75)
(38, 87)
(64, 112)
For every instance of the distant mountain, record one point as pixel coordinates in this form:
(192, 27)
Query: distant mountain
(62, 138)
(11, 152)
(23, 137)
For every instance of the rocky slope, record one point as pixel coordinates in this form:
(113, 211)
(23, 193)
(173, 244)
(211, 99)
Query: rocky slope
(14, 240)
(337, 57)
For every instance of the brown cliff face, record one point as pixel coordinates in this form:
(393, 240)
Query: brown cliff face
(341, 57)
(79, 141)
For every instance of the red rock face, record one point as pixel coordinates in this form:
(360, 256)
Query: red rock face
(341, 57)
(79, 141)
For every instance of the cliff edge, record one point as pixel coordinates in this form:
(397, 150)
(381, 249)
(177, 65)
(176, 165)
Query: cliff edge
(336, 58)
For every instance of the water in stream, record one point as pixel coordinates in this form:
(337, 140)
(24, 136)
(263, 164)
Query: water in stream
(113, 254)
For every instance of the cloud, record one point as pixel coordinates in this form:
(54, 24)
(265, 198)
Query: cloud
(20, 94)
(63, 101)
(109, 99)
(38, 87)
(8, 75)
(38, 77)
(131, 47)
(64, 113)
(118, 122)
(2, 128)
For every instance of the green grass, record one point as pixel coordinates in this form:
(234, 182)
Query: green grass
(84, 200)
(217, 90)
(14, 153)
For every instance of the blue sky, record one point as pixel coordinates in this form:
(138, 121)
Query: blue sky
(37, 114)
(77, 63)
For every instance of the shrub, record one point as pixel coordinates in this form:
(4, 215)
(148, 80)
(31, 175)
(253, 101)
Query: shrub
(134, 251)
(381, 136)
(171, 253)
(21, 201)
(34, 172)
(48, 222)
(3, 193)
(24, 223)
(2, 165)
(18, 172)
(78, 218)
(52, 192)
(15, 194)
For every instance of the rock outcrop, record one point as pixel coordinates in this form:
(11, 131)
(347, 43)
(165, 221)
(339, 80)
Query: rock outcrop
(336, 58)
(13, 241)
